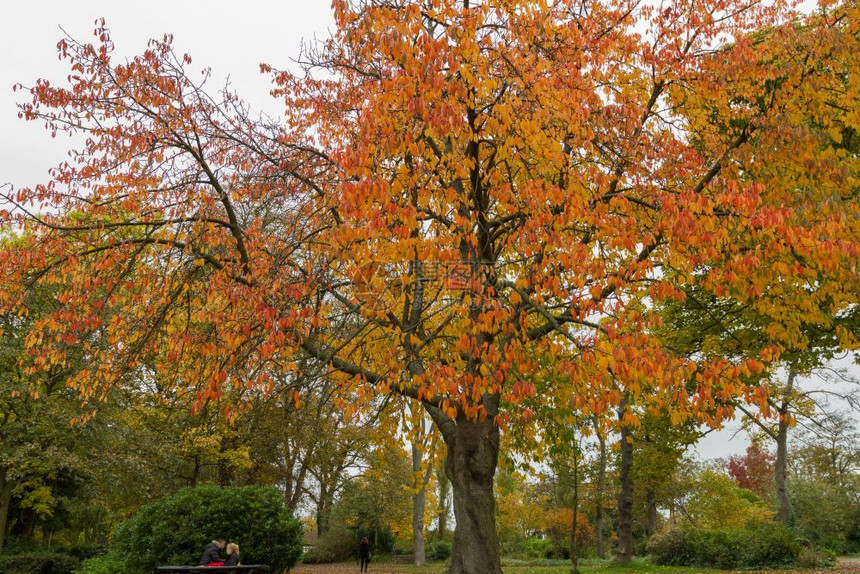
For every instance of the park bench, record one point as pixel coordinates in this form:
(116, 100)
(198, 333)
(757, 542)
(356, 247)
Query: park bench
(250, 569)
(404, 558)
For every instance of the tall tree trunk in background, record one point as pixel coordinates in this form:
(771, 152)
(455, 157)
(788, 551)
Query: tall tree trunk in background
(624, 552)
(5, 501)
(418, 552)
(419, 497)
(195, 473)
(473, 454)
(296, 486)
(651, 501)
(781, 463)
(598, 498)
(26, 526)
(574, 550)
(443, 507)
(324, 505)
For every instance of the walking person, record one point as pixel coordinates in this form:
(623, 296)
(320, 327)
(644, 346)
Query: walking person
(364, 553)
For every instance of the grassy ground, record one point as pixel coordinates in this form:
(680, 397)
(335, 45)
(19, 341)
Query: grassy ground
(544, 567)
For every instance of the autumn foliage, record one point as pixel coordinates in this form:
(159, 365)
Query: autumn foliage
(456, 189)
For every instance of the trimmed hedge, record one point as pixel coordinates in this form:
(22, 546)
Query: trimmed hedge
(176, 529)
(763, 547)
(38, 564)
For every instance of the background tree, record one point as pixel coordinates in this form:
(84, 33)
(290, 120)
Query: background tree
(378, 503)
(824, 485)
(753, 470)
(40, 458)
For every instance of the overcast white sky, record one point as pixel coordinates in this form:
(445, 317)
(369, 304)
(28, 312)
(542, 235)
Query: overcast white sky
(232, 38)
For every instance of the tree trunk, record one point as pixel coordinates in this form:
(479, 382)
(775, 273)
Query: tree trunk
(5, 501)
(324, 505)
(651, 524)
(443, 508)
(418, 499)
(296, 486)
(601, 487)
(574, 550)
(624, 553)
(473, 453)
(782, 453)
(26, 526)
(195, 474)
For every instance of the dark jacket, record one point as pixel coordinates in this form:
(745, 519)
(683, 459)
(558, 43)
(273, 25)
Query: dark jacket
(232, 560)
(364, 550)
(210, 555)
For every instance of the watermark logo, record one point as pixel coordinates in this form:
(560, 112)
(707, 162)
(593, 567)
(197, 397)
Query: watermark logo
(389, 280)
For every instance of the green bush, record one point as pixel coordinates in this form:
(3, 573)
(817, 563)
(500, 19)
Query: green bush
(335, 545)
(44, 563)
(816, 558)
(176, 529)
(105, 564)
(824, 513)
(537, 548)
(439, 550)
(761, 547)
(85, 552)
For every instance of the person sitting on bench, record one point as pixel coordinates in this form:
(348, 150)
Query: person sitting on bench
(212, 554)
(232, 555)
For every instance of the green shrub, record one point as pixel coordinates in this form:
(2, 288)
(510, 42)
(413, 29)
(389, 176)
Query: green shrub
(176, 529)
(85, 552)
(761, 547)
(335, 545)
(105, 564)
(536, 548)
(673, 547)
(44, 563)
(816, 558)
(439, 550)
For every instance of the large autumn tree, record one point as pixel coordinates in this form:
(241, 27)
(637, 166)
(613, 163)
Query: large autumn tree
(456, 188)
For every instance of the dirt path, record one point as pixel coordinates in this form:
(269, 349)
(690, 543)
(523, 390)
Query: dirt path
(352, 568)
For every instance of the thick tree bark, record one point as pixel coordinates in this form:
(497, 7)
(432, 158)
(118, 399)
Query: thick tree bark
(781, 463)
(5, 501)
(601, 488)
(624, 553)
(473, 452)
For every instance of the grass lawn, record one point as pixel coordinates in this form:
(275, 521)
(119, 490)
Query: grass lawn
(541, 567)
